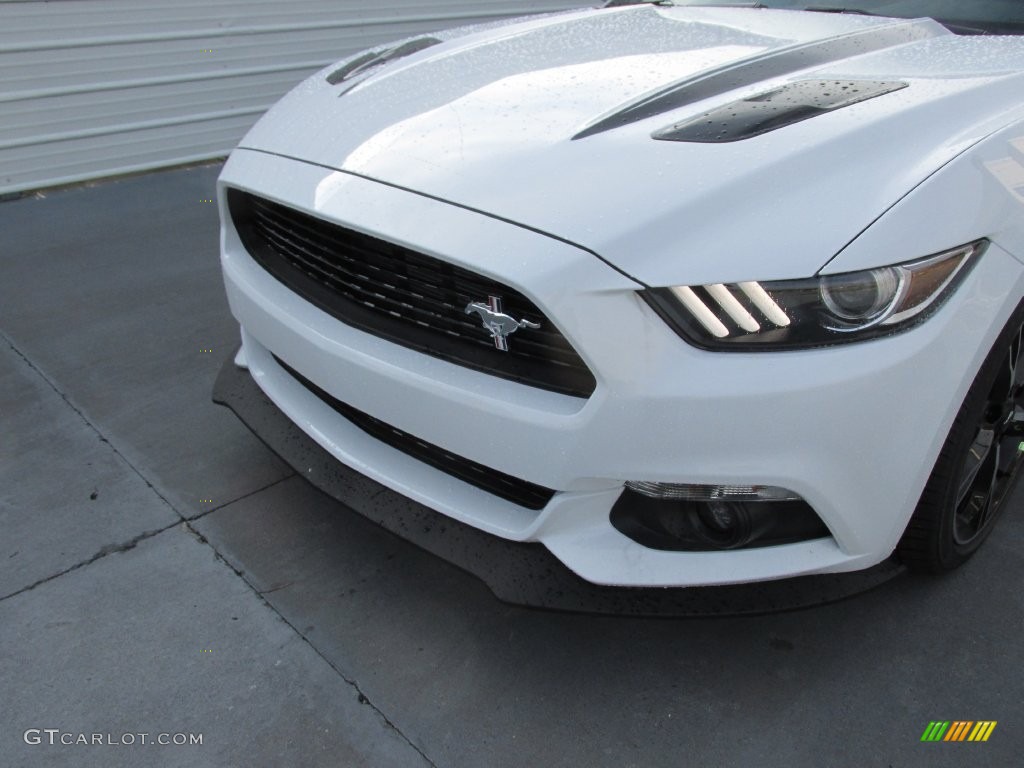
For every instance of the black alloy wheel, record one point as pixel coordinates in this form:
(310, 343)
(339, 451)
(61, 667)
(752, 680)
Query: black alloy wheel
(978, 464)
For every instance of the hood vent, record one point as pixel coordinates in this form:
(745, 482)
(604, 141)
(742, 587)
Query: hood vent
(785, 62)
(776, 109)
(374, 59)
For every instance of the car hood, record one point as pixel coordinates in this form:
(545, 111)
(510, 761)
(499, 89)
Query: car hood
(548, 123)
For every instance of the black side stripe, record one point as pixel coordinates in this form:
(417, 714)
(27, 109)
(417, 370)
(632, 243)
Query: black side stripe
(769, 65)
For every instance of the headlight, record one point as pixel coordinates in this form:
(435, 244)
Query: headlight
(816, 311)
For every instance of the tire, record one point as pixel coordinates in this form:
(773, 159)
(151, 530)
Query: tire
(977, 466)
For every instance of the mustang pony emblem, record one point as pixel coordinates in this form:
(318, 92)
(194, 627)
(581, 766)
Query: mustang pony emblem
(498, 323)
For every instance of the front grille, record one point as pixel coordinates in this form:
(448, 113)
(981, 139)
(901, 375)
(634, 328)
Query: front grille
(505, 486)
(404, 296)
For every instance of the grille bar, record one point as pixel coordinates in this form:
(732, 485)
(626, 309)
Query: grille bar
(507, 487)
(404, 296)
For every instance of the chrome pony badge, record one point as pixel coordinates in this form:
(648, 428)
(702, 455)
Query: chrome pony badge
(500, 325)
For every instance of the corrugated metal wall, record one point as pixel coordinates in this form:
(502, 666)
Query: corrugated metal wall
(92, 88)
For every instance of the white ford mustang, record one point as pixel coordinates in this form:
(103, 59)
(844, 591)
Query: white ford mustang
(690, 293)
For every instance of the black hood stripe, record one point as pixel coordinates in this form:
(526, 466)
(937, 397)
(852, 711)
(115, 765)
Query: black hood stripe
(770, 65)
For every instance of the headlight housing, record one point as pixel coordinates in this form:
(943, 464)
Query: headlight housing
(813, 312)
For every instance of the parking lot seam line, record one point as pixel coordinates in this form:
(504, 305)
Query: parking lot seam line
(109, 549)
(103, 438)
(362, 697)
(112, 548)
(203, 513)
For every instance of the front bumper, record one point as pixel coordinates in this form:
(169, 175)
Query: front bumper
(854, 430)
(516, 572)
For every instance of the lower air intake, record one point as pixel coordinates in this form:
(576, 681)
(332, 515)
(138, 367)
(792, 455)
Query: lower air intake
(510, 488)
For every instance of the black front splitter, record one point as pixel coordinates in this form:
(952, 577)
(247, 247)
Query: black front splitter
(519, 573)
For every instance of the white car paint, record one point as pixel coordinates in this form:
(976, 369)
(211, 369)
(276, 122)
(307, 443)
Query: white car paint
(464, 151)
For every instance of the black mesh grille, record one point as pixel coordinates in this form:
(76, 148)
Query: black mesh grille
(507, 487)
(406, 297)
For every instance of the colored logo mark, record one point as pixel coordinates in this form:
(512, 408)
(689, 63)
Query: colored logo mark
(959, 730)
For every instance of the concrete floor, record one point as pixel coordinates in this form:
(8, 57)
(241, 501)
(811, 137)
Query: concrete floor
(162, 572)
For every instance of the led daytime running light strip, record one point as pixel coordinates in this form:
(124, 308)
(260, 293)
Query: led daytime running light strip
(706, 317)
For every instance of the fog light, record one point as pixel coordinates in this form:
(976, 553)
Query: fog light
(688, 492)
(750, 516)
(729, 525)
